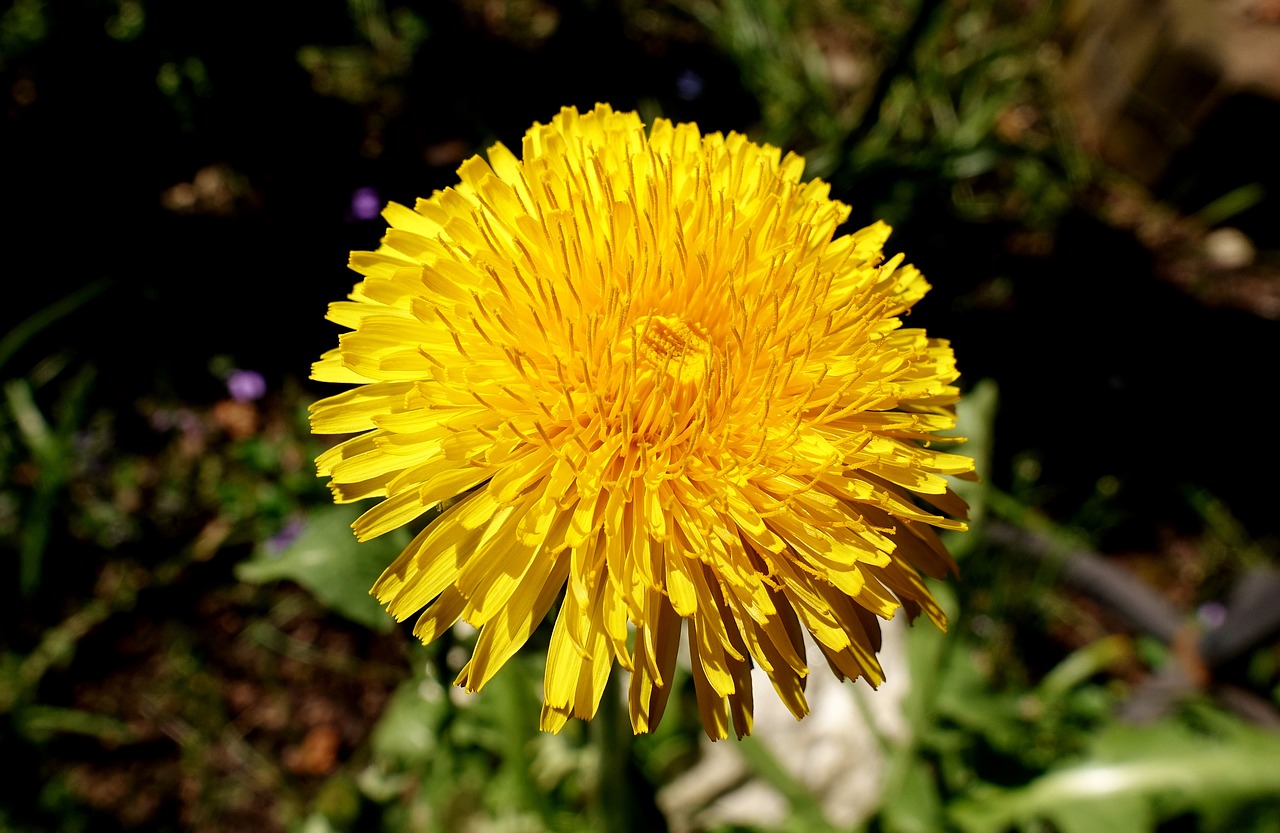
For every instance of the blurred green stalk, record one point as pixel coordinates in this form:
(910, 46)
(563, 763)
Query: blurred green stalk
(611, 731)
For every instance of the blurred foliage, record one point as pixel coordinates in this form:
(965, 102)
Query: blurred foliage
(961, 91)
(186, 636)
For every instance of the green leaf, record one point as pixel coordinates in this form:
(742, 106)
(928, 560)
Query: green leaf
(1124, 812)
(917, 807)
(1135, 778)
(328, 561)
(975, 421)
(40, 723)
(1231, 203)
(25, 330)
(1082, 664)
(407, 733)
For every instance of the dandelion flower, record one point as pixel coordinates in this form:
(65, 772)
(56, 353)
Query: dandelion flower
(649, 383)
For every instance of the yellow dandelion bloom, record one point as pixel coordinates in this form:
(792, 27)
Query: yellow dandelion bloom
(669, 397)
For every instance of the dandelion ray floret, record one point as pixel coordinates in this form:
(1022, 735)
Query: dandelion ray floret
(648, 382)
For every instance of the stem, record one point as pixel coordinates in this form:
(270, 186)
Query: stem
(615, 803)
(517, 711)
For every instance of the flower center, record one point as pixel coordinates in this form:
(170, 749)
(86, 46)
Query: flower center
(670, 345)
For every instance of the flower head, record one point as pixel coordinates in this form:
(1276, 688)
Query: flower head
(661, 391)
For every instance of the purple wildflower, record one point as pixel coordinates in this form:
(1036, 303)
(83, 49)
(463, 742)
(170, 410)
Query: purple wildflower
(288, 533)
(246, 385)
(365, 203)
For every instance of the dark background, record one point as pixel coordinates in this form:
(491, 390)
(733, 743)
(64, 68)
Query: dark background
(194, 171)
